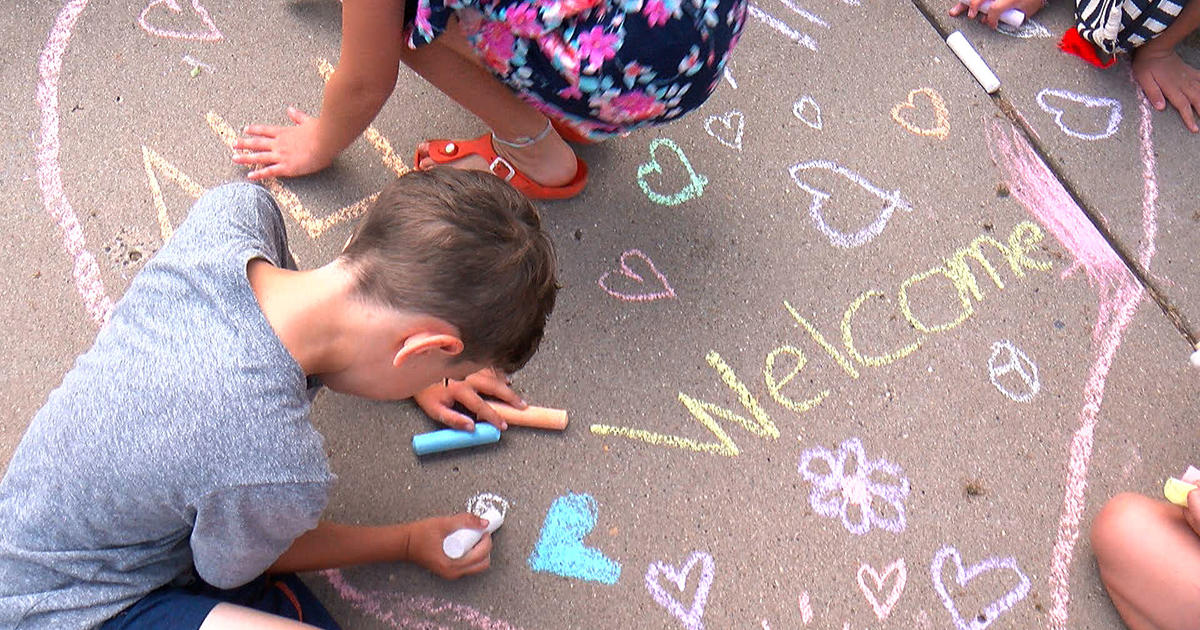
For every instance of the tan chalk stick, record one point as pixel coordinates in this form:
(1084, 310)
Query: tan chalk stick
(535, 417)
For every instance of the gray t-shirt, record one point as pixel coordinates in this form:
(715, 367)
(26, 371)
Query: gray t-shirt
(181, 438)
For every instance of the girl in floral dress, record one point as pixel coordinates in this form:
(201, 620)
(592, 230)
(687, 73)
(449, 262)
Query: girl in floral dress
(535, 72)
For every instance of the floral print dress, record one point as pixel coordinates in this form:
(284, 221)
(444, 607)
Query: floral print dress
(605, 67)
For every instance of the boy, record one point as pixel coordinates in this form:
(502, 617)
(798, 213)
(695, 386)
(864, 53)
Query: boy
(177, 458)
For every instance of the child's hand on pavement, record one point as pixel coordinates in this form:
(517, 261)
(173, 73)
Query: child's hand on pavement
(1165, 77)
(992, 17)
(282, 151)
(425, 546)
(437, 401)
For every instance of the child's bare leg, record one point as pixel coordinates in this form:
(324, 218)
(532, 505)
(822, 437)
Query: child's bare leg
(1149, 559)
(225, 616)
(1164, 76)
(550, 162)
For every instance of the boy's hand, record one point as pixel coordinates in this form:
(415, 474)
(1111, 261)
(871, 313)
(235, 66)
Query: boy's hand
(1165, 77)
(282, 151)
(1192, 511)
(437, 401)
(992, 17)
(425, 546)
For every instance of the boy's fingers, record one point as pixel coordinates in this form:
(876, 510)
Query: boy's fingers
(455, 420)
(1152, 92)
(483, 411)
(480, 552)
(956, 9)
(261, 157)
(274, 170)
(297, 116)
(254, 143)
(261, 130)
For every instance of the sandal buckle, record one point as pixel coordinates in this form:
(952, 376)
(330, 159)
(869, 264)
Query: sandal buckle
(499, 160)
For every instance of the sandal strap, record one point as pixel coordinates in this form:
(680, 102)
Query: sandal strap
(499, 161)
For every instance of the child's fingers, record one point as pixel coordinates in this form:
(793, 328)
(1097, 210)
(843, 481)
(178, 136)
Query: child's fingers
(1153, 92)
(470, 399)
(1184, 106)
(261, 157)
(455, 420)
(957, 9)
(297, 116)
(255, 143)
(481, 552)
(274, 170)
(269, 131)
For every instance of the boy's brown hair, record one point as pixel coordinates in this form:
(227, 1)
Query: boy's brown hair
(465, 247)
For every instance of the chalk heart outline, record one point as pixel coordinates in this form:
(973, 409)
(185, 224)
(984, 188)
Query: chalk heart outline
(693, 189)
(626, 271)
(728, 126)
(892, 201)
(941, 115)
(1091, 102)
(693, 617)
(800, 106)
(882, 610)
(211, 35)
(964, 575)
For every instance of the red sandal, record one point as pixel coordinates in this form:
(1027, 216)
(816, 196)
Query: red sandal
(445, 151)
(570, 133)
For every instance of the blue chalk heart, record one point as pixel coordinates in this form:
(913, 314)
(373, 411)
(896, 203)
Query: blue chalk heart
(560, 549)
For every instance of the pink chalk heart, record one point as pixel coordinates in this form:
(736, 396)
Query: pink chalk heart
(692, 618)
(882, 610)
(629, 274)
(964, 575)
(210, 33)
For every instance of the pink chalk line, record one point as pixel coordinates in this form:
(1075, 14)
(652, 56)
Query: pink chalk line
(413, 612)
(1036, 188)
(49, 171)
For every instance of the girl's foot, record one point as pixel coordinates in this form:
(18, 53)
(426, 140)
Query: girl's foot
(548, 160)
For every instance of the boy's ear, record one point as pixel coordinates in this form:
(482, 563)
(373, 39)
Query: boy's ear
(424, 343)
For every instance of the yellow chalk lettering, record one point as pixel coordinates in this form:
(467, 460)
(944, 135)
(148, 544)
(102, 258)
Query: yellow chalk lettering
(153, 161)
(848, 336)
(774, 387)
(963, 298)
(820, 339)
(960, 271)
(1023, 239)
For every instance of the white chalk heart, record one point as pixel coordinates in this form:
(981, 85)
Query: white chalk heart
(892, 201)
(625, 271)
(964, 575)
(809, 113)
(732, 124)
(209, 34)
(882, 610)
(1112, 106)
(693, 617)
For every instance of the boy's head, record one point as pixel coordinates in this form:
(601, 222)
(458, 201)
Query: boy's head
(463, 247)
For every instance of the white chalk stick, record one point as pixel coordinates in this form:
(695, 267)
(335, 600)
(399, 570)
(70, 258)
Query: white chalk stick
(457, 545)
(1196, 358)
(1012, 17)
(971, 59)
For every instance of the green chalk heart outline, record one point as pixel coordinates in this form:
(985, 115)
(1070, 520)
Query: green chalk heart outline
(695, 187)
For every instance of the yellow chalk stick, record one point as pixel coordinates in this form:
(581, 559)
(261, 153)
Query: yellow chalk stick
(1177, 491)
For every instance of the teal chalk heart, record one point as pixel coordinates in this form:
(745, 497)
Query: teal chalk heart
(560, 549)
(695, 186)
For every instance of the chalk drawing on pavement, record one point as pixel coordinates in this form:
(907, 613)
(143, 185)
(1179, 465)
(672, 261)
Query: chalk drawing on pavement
(157, 10)
(962, 576)
(1007, 359)
(691, 617)
(861, 492)
(694, 187)
(1057, 103)
(627, 284)
(892, 199)
(941, 116)
(884, 608)
(807, 111)
(560, 549)
(727, 128)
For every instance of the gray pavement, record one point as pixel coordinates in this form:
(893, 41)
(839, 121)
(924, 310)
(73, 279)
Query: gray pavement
(966, 396)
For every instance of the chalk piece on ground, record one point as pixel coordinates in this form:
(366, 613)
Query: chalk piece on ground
(1012, 17)
(450, 439)
(971, 59)
(535, 417)
(1177, 491)
(1196, 358)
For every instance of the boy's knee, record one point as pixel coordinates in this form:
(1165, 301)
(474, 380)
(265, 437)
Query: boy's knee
(1121, 522)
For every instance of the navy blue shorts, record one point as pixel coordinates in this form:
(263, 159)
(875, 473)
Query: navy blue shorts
(185, 607)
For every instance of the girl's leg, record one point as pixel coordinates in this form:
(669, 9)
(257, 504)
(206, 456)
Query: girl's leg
(1149, 561)
(445, 63)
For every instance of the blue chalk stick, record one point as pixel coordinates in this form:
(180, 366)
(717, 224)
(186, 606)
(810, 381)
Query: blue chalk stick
(450, 439)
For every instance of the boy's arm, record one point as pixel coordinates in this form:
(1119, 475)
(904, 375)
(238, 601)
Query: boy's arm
(332, 545)
(1164, 76)
(372, 34)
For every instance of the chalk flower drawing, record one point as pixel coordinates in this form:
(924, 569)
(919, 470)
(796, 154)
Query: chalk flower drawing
(852, 485)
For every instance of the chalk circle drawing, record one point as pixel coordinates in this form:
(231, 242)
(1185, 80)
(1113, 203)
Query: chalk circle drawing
(892, 201)
(627, 272)
(1030, 29)
(210, 33)
(692, 618)
(941, 115)
(1008, 359)
(806, 611)
(808, 112)
(692, 190)
(729, 132)
(1112, 105)
(560, 549)
(403, 610)
(852, 485)
(883, 609)
(963, 576)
